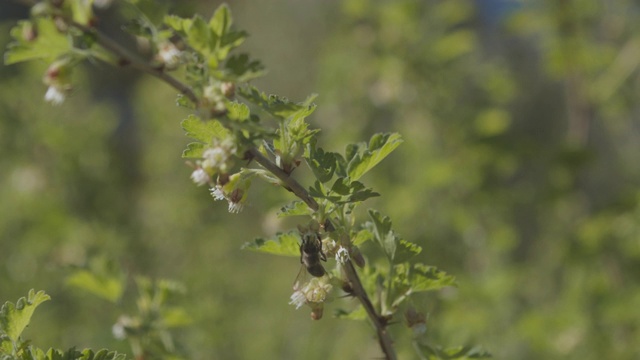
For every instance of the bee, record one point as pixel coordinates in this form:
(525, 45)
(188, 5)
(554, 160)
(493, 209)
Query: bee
(310, 256)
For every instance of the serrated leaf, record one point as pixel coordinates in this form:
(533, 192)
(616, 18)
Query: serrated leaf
(383, 233)
(221, 20)
(201, 38)
(204, 131)
(361, 237)
(364, 158)
(358, 313)
(240, 68)
(175, 317)
(237, 111)
(15, 318)
(194, 150)
(279, 107)
(295, 208)
(427, 278)
(458, 352)
(287, 244)
(322, 164)
(102, 278)
(177, 23)
(48, 45)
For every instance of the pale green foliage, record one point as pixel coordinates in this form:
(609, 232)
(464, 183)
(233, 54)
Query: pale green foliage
(229, 127)
(14, 318)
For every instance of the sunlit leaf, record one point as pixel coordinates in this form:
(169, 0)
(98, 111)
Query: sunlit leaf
(204, 131)
(359, 313)
(295, 208)
(194, 150)
(48, 45)
(14, 318)
(323, 164)
(426, 278)
(364, 158)
(102, 278)
(287, 244)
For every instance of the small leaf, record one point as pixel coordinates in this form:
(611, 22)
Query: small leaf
(383, 233)
(362, 160)
(287, 244)
(323, 164)
(239, 68)
(362, 236)
(237, 111)
(295, 208)
(427, 278)
(48, 45)
(358, 313)
(204, 131)
(102, 278)
(200, 37)
(175, 317)
(458, 352)
(15, 318)
(194, 150)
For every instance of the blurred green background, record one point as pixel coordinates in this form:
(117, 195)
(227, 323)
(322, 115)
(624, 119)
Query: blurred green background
(519, 175)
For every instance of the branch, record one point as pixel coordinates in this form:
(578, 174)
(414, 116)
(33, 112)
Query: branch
(288, 182)
(134, 61)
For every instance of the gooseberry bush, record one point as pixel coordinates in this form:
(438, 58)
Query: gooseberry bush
(240, 135)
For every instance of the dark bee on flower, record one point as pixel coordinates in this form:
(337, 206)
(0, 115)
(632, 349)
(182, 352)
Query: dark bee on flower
(311, 253)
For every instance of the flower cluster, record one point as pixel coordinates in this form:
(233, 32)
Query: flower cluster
(313, 293)
(218, 159)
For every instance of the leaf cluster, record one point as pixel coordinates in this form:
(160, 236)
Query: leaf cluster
(14, 318)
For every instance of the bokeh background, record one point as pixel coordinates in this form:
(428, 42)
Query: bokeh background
(519, 175)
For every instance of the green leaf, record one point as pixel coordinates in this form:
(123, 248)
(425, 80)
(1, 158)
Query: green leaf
(221, 20)
(175, 317)
(194, 150)
(204, 131)
(102, 278)
(240, 68)
(361, 237)
(426, 278)
(177, 23)
(359, 313)
(237, 111)
(323, 164)
(363, 158)
(458, 352)
(15, 318)
(383, 233)
(279, 107)
(287, 244)
(295, 208)
(201, 38)
(48, 45)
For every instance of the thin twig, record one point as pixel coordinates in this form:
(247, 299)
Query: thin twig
(288, 182)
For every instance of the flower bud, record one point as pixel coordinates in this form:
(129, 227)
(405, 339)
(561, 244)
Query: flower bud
(228, 89)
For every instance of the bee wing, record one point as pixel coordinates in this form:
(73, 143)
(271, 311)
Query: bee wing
(301, 278)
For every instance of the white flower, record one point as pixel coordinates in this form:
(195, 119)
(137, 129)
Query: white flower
(298, 299)
(235, 207)
(169, 55)
(217, 193)
(314, 292)
(54, 95)
(200, 177)
(342, 255)
(214, 157)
